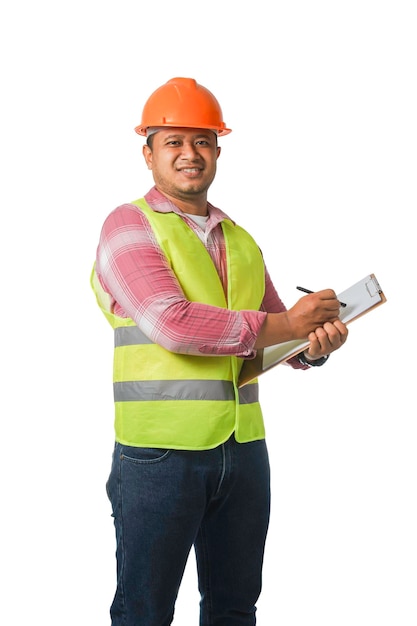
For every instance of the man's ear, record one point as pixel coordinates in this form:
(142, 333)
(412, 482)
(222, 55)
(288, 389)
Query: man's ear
(147, 154)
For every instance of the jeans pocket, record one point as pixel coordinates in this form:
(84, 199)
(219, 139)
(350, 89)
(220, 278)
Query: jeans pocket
(135, 454)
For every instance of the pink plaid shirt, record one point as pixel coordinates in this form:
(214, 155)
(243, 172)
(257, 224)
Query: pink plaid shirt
(134, 271)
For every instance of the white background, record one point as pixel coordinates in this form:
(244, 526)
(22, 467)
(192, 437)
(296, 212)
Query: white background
(321, 168)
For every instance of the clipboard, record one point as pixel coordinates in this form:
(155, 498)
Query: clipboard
(360, 298)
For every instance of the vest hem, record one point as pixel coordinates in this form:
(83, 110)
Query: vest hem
(172, 446)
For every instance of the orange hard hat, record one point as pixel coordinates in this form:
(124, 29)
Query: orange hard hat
(182, 103)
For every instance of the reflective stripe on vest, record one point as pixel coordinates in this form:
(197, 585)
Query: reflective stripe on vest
(164, 399)
(196, 389)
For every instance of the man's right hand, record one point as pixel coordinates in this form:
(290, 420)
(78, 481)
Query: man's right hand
(308, 313)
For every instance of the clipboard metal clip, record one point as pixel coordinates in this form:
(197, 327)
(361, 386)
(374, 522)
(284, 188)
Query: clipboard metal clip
(372, 286)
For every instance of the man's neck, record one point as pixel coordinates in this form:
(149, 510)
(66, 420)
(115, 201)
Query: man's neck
(197, 206)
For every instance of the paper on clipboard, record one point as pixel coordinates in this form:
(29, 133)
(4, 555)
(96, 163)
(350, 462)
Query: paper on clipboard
(360, 298)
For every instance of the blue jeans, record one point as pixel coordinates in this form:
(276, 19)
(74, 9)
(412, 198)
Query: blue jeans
(166, 501)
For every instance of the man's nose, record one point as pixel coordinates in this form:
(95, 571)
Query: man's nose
(189, 150)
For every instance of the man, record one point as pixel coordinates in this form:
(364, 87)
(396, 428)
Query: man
(189, 298)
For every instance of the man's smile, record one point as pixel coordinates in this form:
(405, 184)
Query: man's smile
(190, 171)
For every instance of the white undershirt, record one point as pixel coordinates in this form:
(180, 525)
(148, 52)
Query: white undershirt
(201, 220)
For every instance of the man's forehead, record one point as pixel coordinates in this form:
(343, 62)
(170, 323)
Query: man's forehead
(182, 132)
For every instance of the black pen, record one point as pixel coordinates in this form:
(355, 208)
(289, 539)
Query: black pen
(309, 291)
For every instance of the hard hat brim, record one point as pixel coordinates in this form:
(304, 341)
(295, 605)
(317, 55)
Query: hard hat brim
(141, 130)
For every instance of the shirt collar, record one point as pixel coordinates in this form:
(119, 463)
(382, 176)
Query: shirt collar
(160, 203)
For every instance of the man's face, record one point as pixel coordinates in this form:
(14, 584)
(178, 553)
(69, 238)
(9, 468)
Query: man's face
(183, 161)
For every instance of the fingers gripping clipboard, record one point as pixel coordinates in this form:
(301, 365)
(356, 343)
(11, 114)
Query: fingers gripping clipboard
(360, 298)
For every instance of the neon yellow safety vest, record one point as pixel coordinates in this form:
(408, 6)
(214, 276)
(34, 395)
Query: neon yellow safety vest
(169, 400)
